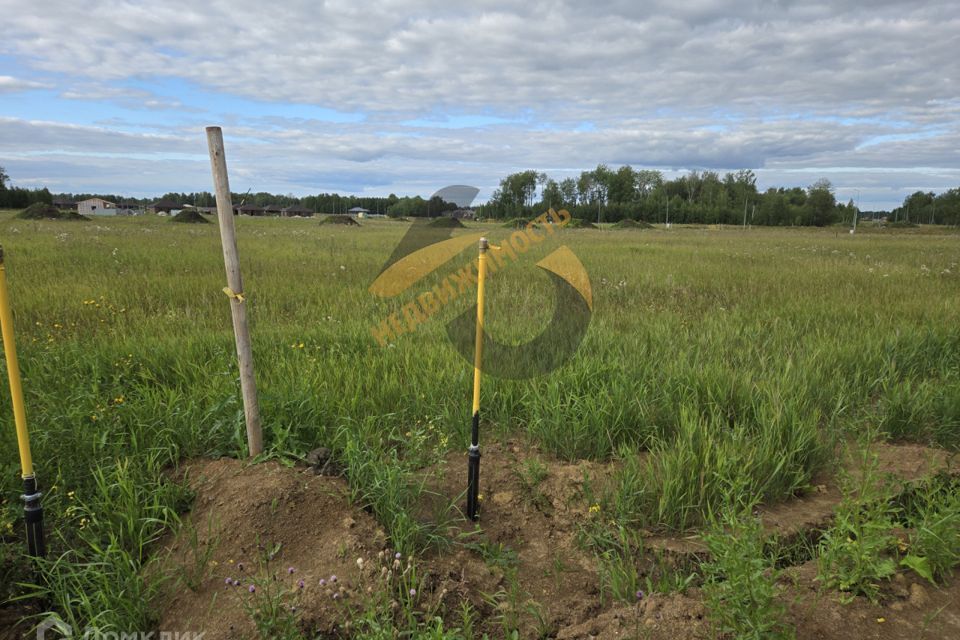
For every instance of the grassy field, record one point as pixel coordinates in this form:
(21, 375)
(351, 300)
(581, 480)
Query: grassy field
(738, 358)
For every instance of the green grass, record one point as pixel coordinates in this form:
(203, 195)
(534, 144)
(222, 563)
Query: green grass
(735, 359)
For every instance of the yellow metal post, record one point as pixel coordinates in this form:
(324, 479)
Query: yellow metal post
(33, 512)
(473, 468)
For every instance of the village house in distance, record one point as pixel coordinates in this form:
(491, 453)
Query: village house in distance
(96, 207)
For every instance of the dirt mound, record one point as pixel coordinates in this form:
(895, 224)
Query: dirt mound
(340, 219)
(526, 540)
(251, 523)
(190, 216)
(632, 224)
(525, 561)
(447, 223)
(580, 223)
(41, 211)
(515, 223)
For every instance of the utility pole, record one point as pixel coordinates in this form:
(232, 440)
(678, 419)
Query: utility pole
(856, 213)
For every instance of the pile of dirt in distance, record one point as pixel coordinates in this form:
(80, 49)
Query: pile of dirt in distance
(580, 223)
(41, 211)
(515, 223)
(400, 219)
(900, 224)
(632, 224)
(190, 216)
(447, 223)
(340, 219)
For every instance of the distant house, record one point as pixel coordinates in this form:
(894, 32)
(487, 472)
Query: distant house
(272, 210)
(96, 207)
(360, 212)
(296, 210)
(250, 210)
(129, 208)
(164, 207)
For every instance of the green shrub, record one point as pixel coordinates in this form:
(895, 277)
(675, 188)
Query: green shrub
(934, 547)
(741, 581)
(857, 552)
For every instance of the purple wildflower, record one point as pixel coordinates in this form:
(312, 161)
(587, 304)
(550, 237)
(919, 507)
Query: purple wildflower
(300, 584)
(333, 578)
(413, 592)
(397, 555)
(639, 595)
(323, 582)
(251, 589)
(336, 596)
(240, 566)
(228, 581)
(291, 570)
(236, 583)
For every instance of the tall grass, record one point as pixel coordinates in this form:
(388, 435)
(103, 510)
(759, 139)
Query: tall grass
(712, 358)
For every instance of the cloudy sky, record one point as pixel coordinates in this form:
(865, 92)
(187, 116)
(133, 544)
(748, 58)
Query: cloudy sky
(407, 97)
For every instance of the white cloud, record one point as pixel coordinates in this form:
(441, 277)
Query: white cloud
(9, 84)
(786, 86)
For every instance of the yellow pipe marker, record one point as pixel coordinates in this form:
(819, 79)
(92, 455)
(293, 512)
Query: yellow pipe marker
(13, 372)
(473, 454)
(478, 344)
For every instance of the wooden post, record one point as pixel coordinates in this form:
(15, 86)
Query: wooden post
(234, 289)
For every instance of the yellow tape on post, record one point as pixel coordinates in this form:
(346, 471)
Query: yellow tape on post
(239, 297)
(13, 372)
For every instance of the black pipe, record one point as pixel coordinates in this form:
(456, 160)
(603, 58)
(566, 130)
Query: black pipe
(33, 518)
(473, 469)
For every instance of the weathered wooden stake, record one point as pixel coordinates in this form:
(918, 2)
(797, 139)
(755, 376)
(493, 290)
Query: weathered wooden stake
(234, 289)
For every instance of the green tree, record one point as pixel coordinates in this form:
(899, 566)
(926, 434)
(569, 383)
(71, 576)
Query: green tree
(552, 196)
(647, 181)
(568, 191)
(623, 185)
(821, 203)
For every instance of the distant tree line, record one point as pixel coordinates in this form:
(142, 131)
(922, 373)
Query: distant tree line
(926, 208)
(608, 195)
(603, 194)
(391, 205)
(19, 198)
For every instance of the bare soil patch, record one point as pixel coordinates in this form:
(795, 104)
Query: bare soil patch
(522, 561)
